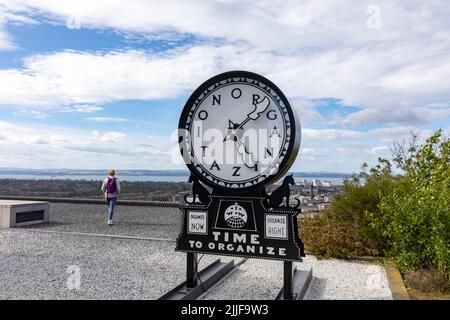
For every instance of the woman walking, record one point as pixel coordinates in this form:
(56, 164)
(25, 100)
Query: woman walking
(111, 188)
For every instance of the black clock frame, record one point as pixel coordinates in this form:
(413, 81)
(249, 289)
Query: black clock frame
(291, 152)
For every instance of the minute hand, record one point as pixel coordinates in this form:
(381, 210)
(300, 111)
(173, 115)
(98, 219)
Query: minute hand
(260, 107)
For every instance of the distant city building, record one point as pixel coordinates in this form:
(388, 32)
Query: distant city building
(326, 183)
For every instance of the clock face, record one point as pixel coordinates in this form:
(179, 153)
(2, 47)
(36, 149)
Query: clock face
(238, 131)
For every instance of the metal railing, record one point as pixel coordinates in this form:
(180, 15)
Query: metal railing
(88, 191)
(156, 193)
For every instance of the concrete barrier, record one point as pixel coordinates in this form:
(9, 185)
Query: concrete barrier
(17, 213)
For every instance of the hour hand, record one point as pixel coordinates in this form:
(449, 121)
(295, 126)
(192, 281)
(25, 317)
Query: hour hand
(231, 130)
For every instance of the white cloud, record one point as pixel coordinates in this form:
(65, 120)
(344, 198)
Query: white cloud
(6, 43)
(57, 139)
(311, 49)
(20, 136)
(17, 18)
(360, 151)
(67, 78)
(308, 153)
(106, 119)
(380, 150)
(399, 114)
(383, 134)
(397, 76)
(80, 109)
(62, 147)
(58, 147)
(113, 137)
(330, 134)
(32, 113)
(266, 24)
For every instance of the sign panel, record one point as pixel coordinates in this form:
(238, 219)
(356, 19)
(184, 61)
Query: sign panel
(276, 226)
(241, 226)
(197, 222)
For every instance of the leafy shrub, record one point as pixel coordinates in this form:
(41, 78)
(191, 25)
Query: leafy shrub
(343, 230)
(405, 217)
(415, 217)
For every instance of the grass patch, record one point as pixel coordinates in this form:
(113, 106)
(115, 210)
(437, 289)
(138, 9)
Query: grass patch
(428, 281)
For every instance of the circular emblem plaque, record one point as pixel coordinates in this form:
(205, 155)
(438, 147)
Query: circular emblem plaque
(235, 216)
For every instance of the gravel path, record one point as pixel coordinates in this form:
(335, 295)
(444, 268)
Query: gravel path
(334, 279)
(33, 264)
(255, 279)
(157, 222)
(347, 280)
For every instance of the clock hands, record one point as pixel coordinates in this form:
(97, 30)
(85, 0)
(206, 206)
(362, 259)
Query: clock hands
(260, 107)
(242, 150)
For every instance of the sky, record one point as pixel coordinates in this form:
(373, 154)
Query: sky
(101, 84)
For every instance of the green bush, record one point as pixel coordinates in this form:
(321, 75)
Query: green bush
(415, 217)
(344, 230)
(405, 216)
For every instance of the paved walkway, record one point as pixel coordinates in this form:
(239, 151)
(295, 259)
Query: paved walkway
(136, 221)
(121, 262)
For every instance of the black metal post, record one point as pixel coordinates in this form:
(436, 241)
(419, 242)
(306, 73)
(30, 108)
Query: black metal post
(191, 274)
(287, 288)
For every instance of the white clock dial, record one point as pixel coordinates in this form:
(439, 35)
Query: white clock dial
(238, 131)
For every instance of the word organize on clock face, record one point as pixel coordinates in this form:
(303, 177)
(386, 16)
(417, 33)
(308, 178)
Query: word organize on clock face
(238, 131)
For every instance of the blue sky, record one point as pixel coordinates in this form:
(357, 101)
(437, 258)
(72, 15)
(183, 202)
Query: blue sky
(101, 84)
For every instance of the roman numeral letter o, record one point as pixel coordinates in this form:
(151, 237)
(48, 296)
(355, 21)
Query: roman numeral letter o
(236, 93)
(202, 115)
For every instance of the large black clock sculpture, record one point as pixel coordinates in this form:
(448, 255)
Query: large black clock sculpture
(259, 130)
(238, 135)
